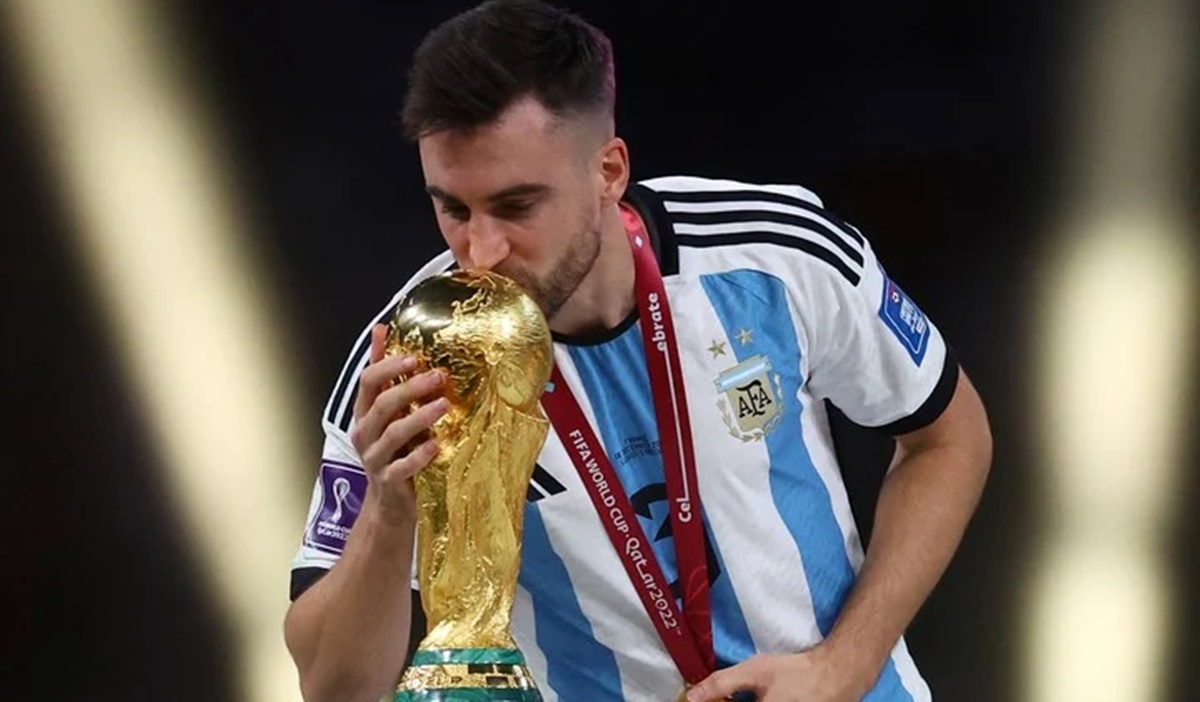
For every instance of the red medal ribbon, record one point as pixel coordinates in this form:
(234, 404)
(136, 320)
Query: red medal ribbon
(688, 638)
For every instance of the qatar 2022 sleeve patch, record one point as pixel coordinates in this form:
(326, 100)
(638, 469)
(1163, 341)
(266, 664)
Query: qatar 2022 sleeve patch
(342, 489)
(905, 319)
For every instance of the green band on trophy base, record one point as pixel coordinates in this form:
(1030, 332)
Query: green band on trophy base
(470, 656)
(468, 675)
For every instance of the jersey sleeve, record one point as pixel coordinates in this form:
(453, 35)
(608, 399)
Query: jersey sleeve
(873, 352)
(341, 483)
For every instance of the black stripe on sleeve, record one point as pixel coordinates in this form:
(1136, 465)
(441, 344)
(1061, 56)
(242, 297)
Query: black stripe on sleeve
(348, 375)
(346, 382)
(351, 376)
(761, 196)
(810, 247)
(791, 220)
(304, 578)
(934, 405)
(348, 412)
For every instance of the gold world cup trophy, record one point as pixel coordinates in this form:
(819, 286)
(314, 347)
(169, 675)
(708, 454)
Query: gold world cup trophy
(492, 341)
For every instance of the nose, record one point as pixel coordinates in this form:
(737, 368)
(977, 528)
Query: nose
(487, 245)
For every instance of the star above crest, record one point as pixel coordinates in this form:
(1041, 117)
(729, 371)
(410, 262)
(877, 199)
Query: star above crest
(745, 336)
(717, 348)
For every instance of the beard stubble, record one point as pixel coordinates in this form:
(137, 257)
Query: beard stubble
(552, 290)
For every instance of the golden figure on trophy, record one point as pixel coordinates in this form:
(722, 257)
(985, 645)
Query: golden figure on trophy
(492, 341)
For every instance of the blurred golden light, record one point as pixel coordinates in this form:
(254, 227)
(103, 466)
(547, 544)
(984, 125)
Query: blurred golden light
(1115, 356)
(1114, 351)
(165, 248)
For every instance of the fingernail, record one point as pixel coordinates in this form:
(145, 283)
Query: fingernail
(443, 404)
(408, 363)
(439, 377)
(431, 448)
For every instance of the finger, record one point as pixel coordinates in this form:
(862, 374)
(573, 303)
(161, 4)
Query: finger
(375, 380)
(401, 432)
(376, 376)
(378, 342)
(381, 376)
(723, 683)
(396, 400)
(408, 466)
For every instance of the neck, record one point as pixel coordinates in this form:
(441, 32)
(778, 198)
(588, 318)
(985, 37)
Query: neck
(605, 296)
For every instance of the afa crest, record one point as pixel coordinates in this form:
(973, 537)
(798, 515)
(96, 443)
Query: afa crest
(750, 399)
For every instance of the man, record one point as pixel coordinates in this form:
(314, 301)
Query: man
(777, 306)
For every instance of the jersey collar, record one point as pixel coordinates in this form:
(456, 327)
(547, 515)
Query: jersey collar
(658, 225)
(662, 238)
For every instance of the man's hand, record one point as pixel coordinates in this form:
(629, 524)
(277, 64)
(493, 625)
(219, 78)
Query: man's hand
(812, 676)
(385, 426)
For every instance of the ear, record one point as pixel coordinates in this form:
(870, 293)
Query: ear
(614, 170)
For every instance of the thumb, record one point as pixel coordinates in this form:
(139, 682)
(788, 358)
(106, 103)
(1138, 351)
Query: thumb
(723, 683)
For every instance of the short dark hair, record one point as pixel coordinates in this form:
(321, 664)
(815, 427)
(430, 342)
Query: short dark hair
(472, 67)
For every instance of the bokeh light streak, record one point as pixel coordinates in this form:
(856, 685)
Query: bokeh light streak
(1115, 350)
(164, 242)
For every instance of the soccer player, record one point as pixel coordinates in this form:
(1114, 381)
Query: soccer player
(699, 326)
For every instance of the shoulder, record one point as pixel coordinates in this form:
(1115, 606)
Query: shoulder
(722, 224)
(705, 189)
(337, 413)
(438, 264)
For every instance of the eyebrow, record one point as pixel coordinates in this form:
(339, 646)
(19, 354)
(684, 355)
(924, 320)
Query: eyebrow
(519, 190)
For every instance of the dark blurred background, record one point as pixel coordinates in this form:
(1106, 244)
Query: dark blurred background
(968, 140)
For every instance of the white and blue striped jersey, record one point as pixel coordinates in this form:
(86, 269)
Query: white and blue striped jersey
(778, 306)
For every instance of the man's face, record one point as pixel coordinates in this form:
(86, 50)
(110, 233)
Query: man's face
(522, 197)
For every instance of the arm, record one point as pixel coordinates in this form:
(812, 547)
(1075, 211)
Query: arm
(878, 358)
(924, 506)
(349, 633)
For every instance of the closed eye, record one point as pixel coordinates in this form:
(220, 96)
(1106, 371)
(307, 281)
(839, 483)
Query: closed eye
(457, 212)
(513, 210)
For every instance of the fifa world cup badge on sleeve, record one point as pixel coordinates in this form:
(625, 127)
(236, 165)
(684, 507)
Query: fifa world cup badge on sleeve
(342, 488)
(905, 319)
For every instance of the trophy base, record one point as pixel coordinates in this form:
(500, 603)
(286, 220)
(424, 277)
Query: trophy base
(467, 675)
